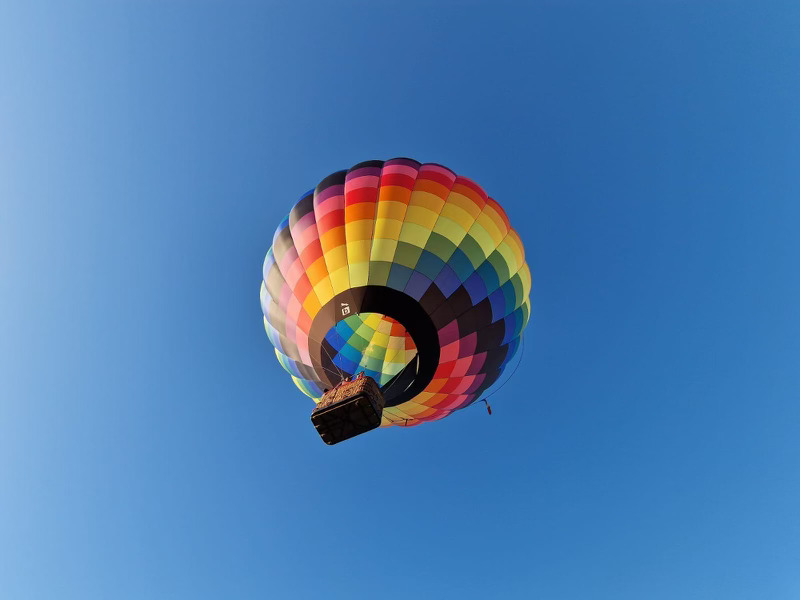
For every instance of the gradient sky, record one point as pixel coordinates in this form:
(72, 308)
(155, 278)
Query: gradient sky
(648, 153)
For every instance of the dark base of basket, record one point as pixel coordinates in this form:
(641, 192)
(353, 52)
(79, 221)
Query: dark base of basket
(348, 418)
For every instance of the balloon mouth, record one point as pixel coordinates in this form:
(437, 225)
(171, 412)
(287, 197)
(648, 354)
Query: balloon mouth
(341, 352)
(372, 343)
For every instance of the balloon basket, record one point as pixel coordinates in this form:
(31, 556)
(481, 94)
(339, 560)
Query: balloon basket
(351, 408)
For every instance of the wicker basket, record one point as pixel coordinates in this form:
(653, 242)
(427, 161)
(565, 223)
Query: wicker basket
(351, 408)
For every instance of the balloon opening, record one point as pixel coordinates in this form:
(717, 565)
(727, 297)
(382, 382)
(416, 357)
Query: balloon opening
(372, 343)
(379, 314)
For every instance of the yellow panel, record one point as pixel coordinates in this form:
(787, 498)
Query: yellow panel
(412, 409)
(515, 244)
(465, 203)
(525, 276)
(340, 279)
(485, 241)
(380, 339)
(391, 210)
(371, 320)
(383, 249)
(458, 215)
(490, 212)
(450, 229)
(324, 292)
(399, 414)
(415, 234)
(427, 199)
(423, 397)
(491, 228)
(421, 215)
(387, 229)
(509, 257)
(527, 305)
(359, 273)
(394, 416)
(358, 251)
(336, 257)
(359, 230)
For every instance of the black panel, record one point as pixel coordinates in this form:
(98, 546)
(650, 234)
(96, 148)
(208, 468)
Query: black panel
(459, 301)
(282, 242)
(416, 162)
(432, 299)
(495, 359)
(301, 209)
(336, 178)
(274, 282)
(491, 336)
(442, 316)
(489, 381)
(476, 318)
(367, 163)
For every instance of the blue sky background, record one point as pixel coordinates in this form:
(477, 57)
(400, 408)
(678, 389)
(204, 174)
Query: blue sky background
(152, 447)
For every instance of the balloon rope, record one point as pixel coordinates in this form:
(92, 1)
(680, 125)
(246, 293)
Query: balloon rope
(401, 420)
(522, 352)
(339, 373)
(396, 380)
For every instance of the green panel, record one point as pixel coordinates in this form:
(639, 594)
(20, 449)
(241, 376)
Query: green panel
(500, 265)
(379, 272)
(407, 255)
(473, 251)
(440, 246)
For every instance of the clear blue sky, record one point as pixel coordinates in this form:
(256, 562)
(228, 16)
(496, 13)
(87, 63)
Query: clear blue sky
(152, 447)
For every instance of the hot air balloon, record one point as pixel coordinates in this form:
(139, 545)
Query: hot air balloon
(395, 293)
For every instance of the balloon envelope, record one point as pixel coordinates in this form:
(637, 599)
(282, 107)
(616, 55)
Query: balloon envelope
(405, 271)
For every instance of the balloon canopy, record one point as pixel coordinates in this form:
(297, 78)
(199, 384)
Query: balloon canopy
(404, 271)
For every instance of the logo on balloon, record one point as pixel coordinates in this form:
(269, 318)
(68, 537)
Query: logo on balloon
(345, 308)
